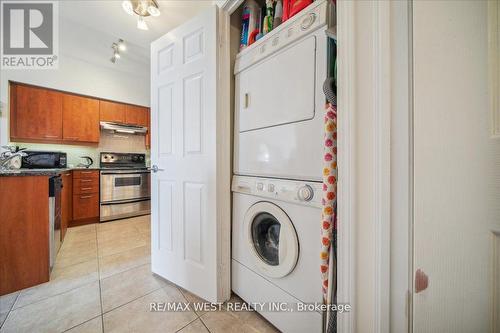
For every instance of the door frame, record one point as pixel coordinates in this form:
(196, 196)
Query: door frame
(382, 28)
(392, 171)
(345, 128)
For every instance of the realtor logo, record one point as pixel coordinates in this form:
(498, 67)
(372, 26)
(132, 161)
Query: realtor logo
(29, 35)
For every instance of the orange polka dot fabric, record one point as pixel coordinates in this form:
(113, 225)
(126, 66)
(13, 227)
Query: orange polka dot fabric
(329, 200)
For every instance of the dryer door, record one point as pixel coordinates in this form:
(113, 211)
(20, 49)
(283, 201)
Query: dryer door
(280, 89)
(272, 239)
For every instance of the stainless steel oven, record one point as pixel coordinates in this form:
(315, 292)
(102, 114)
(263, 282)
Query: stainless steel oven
(125, 186)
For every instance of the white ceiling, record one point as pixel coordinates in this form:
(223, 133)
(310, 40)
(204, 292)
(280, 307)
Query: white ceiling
(109, 17)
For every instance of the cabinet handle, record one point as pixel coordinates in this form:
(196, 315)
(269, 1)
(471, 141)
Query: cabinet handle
(85, 180)
(246, 101)
(71, 138)
(51, 136)
(86, 188)
(68, 174)
(86, 197)
(86, 172)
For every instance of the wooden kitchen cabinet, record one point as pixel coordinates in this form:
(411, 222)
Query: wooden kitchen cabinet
(85, 208)
(85, 197)
(35, 113)
(85, 185)
(24, 232)
(66, 202)
(80, 119)
(40, 114)
(112, 111)
(137, 115)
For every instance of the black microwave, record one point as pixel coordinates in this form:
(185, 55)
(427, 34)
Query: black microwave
(44, 160)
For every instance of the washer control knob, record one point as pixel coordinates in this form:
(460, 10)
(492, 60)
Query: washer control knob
(260, 186)
(305, 193)
(270, 188)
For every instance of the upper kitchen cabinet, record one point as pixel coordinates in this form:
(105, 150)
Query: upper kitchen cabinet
(112, 111)
(80, 119)
(45, 115)
(137, 115)
(35, 113)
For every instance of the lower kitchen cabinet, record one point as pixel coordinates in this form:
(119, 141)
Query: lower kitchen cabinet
(85, 197)
(66, 202)
(24, 232)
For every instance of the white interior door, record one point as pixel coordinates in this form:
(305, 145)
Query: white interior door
(186, 200)
(457, 170)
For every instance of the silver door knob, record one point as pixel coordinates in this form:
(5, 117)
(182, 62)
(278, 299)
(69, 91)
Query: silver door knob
(155, 168)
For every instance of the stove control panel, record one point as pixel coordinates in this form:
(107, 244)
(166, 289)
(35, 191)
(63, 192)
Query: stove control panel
(123, 160)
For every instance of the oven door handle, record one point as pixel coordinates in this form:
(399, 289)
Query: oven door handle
(124, 173)
(117, 202)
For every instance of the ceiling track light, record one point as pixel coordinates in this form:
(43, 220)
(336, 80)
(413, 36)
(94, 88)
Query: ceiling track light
(141, 8)
(117, 47)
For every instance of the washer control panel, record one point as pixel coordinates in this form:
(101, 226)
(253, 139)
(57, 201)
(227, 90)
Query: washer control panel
(301, 192)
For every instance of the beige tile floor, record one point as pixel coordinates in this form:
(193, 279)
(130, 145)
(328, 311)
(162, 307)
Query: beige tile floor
(102, 282)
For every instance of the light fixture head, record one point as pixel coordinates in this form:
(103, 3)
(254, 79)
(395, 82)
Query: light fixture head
(141, 8)
(128, 7)
(153, 10)
(117, 55)
(141, 24)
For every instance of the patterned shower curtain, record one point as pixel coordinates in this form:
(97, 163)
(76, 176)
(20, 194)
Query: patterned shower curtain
(329, 200)
(329, 212)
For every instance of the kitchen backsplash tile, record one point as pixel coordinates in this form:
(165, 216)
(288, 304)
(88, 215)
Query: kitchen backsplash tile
(119, 143)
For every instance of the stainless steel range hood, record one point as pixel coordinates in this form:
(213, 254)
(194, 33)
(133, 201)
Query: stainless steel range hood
(121, 128)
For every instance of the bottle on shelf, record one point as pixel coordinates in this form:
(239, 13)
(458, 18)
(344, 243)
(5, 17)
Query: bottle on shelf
(268, 20)
(249, 22)
(278, 14)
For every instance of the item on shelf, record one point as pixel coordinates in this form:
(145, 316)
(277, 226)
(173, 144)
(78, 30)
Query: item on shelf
(278, 14)
(296, 6)
(268, 20)
(286, 6)
(248, 22)
(292, 7)
(253, 37)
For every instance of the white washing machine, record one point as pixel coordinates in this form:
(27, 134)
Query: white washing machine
(279, 101)
(275, 248)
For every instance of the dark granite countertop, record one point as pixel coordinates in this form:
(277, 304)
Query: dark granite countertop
(39, 172)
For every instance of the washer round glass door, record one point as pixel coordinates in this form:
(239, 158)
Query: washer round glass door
(272, 239)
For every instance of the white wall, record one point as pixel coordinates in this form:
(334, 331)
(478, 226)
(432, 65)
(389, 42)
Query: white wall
(84, 68)
(457, 167)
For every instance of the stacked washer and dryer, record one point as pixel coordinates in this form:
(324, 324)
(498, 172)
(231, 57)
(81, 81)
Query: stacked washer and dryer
(277, 188)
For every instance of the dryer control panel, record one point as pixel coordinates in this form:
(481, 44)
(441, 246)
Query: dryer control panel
(300, 192)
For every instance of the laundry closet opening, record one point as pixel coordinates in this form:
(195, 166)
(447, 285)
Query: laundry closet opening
(284, 161)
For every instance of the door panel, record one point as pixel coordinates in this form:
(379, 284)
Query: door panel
(80, 119)
(112, 111)
(456, 168)
(184, 194)
(193, 113)
(85, 206)
(194, 201)
(36, 113)
(136, 115)
(66, 202)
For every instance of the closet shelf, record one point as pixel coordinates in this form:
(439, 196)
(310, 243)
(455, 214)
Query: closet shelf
(308, 19)
(317, 15)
